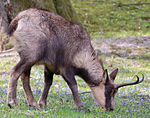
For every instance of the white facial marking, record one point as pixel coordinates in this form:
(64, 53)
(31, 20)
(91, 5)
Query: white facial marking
(99, 95)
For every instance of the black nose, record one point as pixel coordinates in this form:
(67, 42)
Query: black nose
(110, 109)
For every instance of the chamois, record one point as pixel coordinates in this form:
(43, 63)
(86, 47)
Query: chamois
(63, 47)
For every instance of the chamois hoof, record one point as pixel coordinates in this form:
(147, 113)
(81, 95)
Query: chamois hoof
(79, 105)
(42, 103)
(11, 104)
(42, 106)
(35, 105)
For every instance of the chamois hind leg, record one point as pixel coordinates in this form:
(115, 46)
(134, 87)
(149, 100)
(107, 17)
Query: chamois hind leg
(12, 85)
(70, 79)
(48, 79)
(25, 77)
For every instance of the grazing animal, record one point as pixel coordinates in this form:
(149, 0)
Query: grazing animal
(64, 48)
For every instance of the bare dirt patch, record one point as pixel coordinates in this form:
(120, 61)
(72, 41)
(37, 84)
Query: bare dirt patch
(123, 47)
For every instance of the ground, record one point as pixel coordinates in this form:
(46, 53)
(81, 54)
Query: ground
(124, 47)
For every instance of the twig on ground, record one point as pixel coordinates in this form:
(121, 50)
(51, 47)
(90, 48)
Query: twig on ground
(7, 51)
(120, 4)
(1, 73)
(85, 92)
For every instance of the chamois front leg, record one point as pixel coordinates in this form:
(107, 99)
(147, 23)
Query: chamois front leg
(48, 79)
(25, 77)
(12, 85)
(69, 78)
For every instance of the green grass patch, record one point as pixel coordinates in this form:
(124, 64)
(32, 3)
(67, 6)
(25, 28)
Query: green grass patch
(114, 18)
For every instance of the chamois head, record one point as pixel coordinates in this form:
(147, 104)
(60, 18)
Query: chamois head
(106, 91)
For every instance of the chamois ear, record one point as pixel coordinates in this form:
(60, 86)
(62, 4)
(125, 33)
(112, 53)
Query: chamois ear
(106, 77)
(113, 74)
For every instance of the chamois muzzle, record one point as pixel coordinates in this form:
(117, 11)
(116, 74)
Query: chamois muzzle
(132, 83)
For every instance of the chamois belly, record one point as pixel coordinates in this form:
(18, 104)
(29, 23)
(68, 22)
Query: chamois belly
(52, 68)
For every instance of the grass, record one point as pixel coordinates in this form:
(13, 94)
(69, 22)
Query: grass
(130, 102)
(114, 18)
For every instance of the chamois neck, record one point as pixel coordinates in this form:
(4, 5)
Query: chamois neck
(96, 72)
(93, 75)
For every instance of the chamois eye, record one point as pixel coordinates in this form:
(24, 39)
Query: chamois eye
(112, 92)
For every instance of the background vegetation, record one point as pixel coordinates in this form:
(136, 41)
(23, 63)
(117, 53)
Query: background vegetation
(114, 18)
(103, 19)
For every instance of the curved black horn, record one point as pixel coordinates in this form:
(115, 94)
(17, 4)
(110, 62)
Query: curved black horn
(132, 83)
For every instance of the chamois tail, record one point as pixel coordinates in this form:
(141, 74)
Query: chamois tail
(12, 27)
